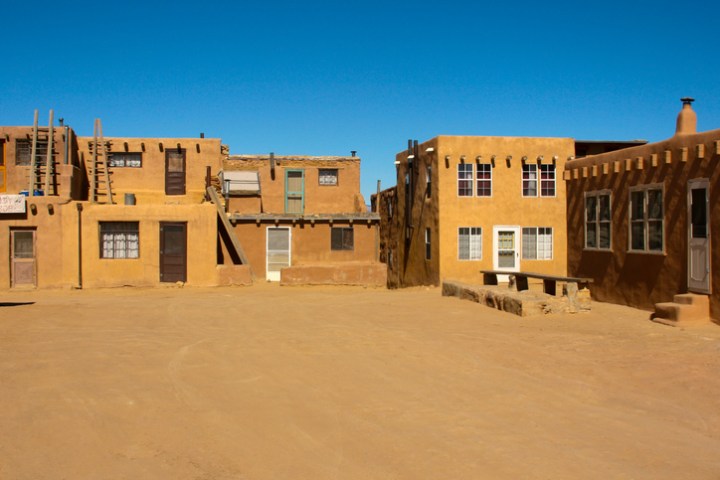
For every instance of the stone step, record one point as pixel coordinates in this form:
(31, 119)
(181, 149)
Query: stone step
(688, 310)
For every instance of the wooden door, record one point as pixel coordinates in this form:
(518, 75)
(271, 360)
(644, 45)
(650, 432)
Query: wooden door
(698, 237)
(175, 171)
(173, 252)
(294, 191)
(23, 268)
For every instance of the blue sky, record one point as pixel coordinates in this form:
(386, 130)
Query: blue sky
(324, 78)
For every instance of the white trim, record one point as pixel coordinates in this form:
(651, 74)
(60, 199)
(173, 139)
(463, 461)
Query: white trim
(694, 184)
(516, 229)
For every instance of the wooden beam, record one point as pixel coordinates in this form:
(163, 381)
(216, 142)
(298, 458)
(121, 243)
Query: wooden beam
(228, 228)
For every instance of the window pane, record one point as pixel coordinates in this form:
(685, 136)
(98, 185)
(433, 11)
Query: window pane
(545, 243)
(23, 244)
(465, 178)
(655, 204)
(119, 240)
(655, 235)
(476, 243)
(637, 236)
(506, 259)
(636, 205)
(591, 235)
(328, 176)
(698, 215)
(463, 243)
(529, 243)
(484, 180)
(176, 161)
(529, 185)
(547, 182)
(604, 201)
(590, 212)
(604, 241)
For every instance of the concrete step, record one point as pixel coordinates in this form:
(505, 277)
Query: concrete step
(687, 309)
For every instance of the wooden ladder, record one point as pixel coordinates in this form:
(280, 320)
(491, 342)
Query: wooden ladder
(100, 185)
(42, 166)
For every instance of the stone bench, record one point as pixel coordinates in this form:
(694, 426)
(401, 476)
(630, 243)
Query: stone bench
(549, 281)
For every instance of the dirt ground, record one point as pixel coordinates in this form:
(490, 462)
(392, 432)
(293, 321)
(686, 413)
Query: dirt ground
(270, 382)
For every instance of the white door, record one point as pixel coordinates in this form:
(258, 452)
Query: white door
(506, 250)
(698, 236)
(278, 252)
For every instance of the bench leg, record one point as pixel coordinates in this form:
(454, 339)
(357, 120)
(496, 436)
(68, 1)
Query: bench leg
(521, 282)
(490, 279)
(549, 287)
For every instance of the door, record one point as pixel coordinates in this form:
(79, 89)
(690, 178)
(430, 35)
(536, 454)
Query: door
(173, 252)
(175, 171)
(294, 191)
(278, 252)
(22, 258)
(506, 250)
(698, 236)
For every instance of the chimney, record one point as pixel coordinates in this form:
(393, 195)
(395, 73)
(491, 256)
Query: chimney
(686, 119)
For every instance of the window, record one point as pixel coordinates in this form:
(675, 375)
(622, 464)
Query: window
(23, 152)
(469, 243)
(428, 181)
(646, 219)
(547, 180)
(119, 240)
(342, 238)
(390, 207)
(597, 220)
(537, 243)
(465, 180)
(125, 159)
(529, 180)
(484, 180)
(328, 176)
(428, 252)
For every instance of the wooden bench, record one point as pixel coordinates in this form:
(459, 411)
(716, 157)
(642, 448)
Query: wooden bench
(521, 279)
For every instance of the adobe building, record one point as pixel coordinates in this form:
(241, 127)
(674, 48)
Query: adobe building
(465, 203)
(640, 222)
(114, 211)
(302, 219)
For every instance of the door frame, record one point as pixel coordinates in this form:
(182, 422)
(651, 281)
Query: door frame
(33, 284)
(275, 276)
(696, 184)
(161, 250)
(517, 230)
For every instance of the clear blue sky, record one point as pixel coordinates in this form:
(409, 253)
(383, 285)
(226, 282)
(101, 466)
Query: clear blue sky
(324, 78)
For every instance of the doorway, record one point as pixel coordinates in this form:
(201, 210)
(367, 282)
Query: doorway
(698, 236)
(23, 267)
(278, 252)
(175, 171)
(173, 252)
(506, 250)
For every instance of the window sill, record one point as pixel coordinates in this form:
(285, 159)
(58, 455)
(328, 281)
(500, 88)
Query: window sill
(601, 250)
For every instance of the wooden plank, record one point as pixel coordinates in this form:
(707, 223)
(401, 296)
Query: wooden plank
(228, 228)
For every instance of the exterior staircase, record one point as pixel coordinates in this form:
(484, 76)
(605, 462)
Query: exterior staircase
(685, 309)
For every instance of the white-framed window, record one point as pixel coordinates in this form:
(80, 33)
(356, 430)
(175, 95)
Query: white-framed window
(598, 219)
(428, 246)
(547, 180)
(469, 243)
(465, 180)
(328, 176)
(126, 159)
(647, 233)
(483, 180)
(342, 238)
(529, 180)
(537, 243)
(119, 240)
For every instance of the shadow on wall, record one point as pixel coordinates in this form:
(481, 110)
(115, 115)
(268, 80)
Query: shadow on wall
(15, 304)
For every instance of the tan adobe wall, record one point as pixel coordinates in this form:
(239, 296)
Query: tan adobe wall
(369, 274)
(345, 197)
(68, 178)
(310, 244)
(148, 181)
(643, 279)
(145, 271)
(52, 262)
(507, 206)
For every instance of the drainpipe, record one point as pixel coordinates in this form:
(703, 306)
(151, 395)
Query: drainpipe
(80, 279)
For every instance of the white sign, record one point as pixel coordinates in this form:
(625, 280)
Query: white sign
(12, 203)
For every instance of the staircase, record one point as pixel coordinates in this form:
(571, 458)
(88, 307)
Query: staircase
(685, 309)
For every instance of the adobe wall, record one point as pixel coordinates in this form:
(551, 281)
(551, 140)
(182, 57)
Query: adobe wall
(385, 205)
(310, 244)
(145, 271)
(148, 181)
(411, 222)
(368, 274)
(643, 279)
(345, 197)
(507, 206)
